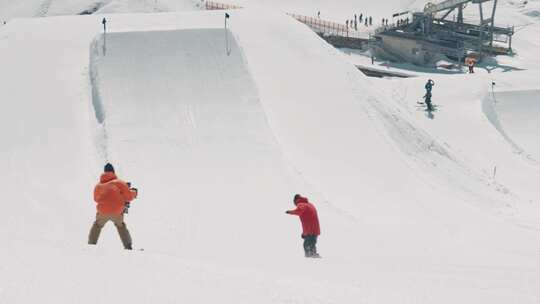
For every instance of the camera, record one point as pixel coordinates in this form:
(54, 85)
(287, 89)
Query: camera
(126, 204)
(126, 208)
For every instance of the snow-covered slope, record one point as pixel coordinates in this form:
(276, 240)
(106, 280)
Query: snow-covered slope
(182, 114)
(518, 112)
(10, 9)
(218, 129)
(514, 100)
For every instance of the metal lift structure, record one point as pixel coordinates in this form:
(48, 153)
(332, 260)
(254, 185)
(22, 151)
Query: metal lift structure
(435, 32)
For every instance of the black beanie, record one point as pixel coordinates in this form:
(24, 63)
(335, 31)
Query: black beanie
(108, 168)
(296, 196)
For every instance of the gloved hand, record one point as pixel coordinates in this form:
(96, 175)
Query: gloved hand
(288, 212)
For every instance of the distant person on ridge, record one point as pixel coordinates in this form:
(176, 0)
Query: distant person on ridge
(111, 195)
(310, 224)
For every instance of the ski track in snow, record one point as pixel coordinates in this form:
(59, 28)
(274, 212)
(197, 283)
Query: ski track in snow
(100, 137)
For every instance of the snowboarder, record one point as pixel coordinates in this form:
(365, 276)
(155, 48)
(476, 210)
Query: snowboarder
(111, 194)
(310, 224)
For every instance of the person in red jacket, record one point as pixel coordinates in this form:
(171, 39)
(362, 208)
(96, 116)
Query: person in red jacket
(310, 224)
(111, 194)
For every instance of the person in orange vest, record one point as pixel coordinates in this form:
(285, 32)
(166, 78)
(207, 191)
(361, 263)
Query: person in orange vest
(111, 194)
(470, 63)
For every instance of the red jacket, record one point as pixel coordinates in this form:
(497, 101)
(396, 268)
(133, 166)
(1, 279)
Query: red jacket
(111, 194)
(308, 216)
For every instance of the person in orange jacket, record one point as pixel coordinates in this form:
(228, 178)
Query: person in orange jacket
(310, 224)
(111, 194)
(471, 62)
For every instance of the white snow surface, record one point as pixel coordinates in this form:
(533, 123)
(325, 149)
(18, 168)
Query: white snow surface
(218, 129)
(10, 9)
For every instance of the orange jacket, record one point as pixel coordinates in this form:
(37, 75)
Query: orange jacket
(470, 61)
(111, 194)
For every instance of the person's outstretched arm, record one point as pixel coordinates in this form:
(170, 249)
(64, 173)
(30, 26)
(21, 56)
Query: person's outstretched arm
(298, 211)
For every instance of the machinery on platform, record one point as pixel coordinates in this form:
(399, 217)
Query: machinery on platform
(441, 30)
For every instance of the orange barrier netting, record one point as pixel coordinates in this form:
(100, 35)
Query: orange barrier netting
(318, 25)
(328, 27)
(210, 5)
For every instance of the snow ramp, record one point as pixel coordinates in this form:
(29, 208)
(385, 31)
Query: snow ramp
(182, 116)
(517, 113)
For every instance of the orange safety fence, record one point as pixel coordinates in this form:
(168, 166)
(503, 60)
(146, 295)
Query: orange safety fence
(318, 25)
(328, 27)
(210, 5)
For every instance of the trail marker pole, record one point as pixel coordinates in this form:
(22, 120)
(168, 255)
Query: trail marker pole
(227, 49)
(493, 91)
(104, 22)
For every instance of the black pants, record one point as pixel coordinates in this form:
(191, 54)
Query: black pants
(310, 242)
(429, 105)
